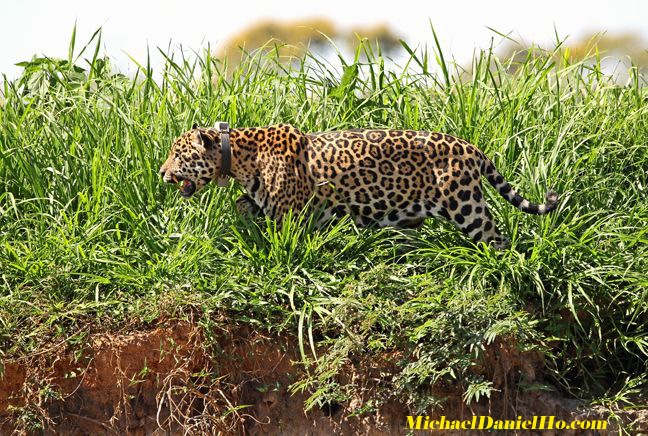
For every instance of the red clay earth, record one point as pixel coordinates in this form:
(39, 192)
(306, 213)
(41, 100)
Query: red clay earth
(154, 383)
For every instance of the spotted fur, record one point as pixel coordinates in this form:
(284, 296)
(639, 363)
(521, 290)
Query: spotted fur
(383, 177)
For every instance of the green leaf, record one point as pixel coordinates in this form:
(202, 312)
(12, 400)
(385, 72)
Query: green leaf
(347, 84)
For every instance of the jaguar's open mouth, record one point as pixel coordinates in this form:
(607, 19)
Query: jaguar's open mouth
(186, 187)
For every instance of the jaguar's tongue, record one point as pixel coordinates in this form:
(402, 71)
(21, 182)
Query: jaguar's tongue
(185, 186)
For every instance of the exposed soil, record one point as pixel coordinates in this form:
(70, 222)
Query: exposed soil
(154, 383)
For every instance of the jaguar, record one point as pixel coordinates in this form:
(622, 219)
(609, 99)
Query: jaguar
(380, 177)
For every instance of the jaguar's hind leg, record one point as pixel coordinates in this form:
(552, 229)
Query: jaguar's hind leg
(476, 221)
(472, 216)
(479, 225)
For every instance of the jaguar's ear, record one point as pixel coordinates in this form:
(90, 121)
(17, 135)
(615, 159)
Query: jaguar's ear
(194, 127)
(207, 142)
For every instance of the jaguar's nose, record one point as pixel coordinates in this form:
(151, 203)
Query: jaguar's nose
(167, 177)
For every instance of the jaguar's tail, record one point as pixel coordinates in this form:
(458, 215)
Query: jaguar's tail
(506, 190)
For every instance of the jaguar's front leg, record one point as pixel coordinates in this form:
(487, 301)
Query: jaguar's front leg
(246, 206)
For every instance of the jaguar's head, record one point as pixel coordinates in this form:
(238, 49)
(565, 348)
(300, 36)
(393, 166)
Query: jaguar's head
(194, 160)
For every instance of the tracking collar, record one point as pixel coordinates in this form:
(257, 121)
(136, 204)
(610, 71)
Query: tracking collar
(226, 152)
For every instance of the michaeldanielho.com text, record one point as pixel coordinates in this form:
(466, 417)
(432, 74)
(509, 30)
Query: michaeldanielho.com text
(488, 423)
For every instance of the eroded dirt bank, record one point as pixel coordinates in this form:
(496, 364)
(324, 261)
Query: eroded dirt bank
(161, 382)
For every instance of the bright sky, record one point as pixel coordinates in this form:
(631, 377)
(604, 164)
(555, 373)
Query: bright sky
(44, 26)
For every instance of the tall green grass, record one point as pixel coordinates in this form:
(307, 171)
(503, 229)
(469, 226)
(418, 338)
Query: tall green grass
(91, 240)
